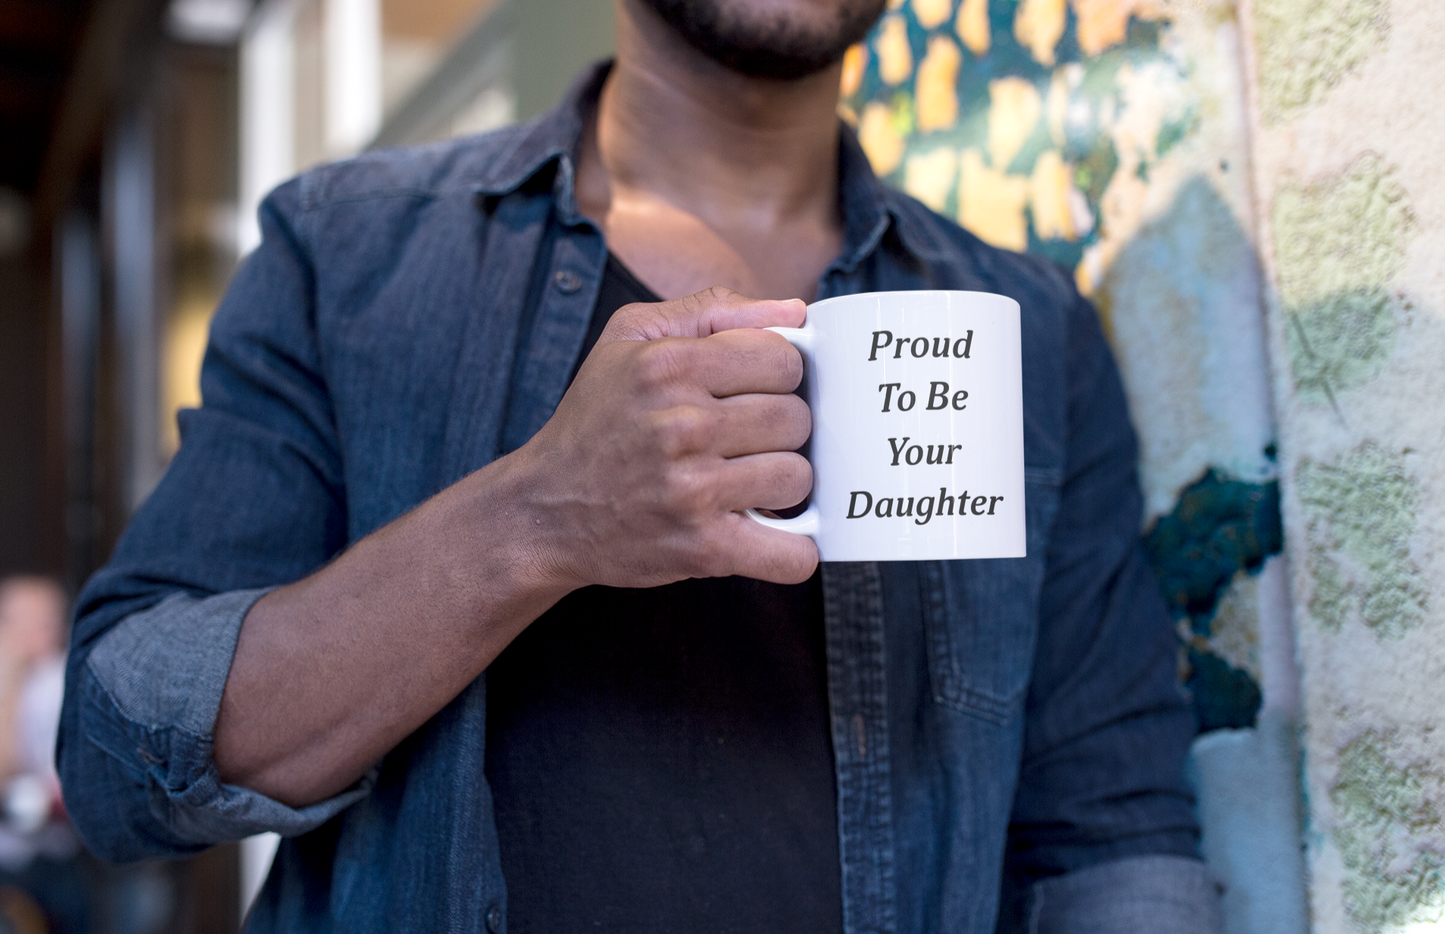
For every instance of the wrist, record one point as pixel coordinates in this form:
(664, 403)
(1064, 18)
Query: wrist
(509, 524)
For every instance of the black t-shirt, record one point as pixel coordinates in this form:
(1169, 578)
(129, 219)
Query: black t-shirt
(660, 759)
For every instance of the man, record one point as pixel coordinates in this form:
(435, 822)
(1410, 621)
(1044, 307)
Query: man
(449, 583)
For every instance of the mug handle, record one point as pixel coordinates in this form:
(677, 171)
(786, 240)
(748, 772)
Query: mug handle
(807, 523)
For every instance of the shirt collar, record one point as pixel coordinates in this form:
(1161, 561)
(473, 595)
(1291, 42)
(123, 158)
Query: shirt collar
(870, 208)
(549, 139)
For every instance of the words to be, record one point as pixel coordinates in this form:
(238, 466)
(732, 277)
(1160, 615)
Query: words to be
(938, 397)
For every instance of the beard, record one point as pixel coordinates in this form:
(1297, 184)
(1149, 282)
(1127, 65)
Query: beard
(768, 45)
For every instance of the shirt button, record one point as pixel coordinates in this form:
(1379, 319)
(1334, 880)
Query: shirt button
(494, 918)
(567, 281)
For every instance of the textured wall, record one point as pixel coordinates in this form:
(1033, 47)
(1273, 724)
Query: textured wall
(1253, 199)
(1113, 137)
(1347, 139)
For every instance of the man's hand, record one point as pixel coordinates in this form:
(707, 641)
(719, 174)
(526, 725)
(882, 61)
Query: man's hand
(682, 416)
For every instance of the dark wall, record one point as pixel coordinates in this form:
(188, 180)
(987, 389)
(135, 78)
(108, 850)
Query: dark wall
(29, 535)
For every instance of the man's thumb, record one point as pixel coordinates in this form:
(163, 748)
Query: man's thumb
(701, 314)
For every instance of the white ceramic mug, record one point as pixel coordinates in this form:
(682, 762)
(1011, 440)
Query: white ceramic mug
(917, 445)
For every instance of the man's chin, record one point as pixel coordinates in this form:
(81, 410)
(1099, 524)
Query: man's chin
(774, 44)
(770, 65)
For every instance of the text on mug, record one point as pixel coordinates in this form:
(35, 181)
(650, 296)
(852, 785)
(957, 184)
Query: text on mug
(913, 454)
(919, 347)
(937, 397)
(922, 508)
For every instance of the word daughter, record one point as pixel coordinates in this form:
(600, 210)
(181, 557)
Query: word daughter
(920, 509)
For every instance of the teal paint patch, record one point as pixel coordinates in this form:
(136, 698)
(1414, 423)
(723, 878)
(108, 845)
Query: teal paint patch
(1065, 253)
(1036, 145)
(1219, 527)
(1381, 812)
(1225, 698)
(1096, 162)
(1360, 516)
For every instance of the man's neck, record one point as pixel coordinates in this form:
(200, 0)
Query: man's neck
(679, 141)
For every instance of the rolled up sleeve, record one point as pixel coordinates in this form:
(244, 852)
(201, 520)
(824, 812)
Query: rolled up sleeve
(153, 713)
(1144, 893)
(253, 500)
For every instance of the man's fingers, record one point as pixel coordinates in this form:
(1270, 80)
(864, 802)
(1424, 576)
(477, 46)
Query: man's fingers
(768, 554)
(760, 422)
(755, 423)
(702, 314)
(725, 364)
(775, 480)
(741, 361)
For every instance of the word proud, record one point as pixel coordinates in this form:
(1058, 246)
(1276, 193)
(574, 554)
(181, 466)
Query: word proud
(919, 347)
(921, 509)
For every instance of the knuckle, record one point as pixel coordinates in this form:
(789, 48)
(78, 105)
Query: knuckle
(713, 557)
(685, 493)
(702, 561)
(719, 294)
(680, 430)
(632, 321)
(630, 311)
(661, 363)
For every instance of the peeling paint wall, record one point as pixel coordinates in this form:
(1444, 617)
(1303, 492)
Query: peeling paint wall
(1113, 137)
(1347, 140)
(1253, 198)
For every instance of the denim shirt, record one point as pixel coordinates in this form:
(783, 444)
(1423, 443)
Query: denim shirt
(1008, 735)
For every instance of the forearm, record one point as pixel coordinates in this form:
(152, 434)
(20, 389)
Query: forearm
(637, 480)
(334, 670)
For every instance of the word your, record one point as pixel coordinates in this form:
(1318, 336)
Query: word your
(918, 347)
(937, 397)
(920, 509)
(913, 453)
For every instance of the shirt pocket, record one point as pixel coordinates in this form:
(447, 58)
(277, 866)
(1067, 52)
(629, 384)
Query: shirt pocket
(981, 616)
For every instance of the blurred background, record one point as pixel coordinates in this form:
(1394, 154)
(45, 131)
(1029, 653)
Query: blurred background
(1248, 190)
(138, 138)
